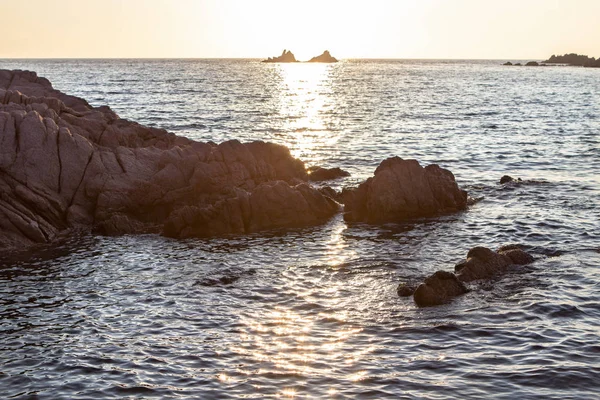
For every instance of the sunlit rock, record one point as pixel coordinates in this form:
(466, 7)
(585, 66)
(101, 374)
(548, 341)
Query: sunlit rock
(326, 57)
(402, 189)
(65, 166)
(286, 57)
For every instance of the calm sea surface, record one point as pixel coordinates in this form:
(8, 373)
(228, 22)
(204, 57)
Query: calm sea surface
(314, 313)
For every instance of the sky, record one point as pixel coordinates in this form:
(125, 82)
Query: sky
(459, 29)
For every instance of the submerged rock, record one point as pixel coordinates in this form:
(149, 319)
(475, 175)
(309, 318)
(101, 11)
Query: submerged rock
(318, 174)
(65, 165)
(402, 189)
(326, 57)
(286, 57)
(509, 179)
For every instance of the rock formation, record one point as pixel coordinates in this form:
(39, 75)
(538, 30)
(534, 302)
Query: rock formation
(481, 263)
(508, 63)
(326, 57)
(286, 57)
(65, 165)
(532, 64)
(402, 189)
(574, 59)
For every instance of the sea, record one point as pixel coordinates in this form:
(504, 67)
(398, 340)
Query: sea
(313, 313)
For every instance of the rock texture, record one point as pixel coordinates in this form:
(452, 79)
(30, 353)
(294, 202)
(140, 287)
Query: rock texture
(481, 263)
(65, 165)
(402, 189)
(326, 57)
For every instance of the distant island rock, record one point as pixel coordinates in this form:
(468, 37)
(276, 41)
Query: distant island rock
(574, 59)
(326, 57)
(286, 57)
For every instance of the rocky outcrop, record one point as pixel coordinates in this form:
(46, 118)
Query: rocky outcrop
(481, 263)
(65, 165)
(402, 189)
(318, 174)
(532, 64)
(574, 59)
(508, 63)
(326, 57)
(286, 57)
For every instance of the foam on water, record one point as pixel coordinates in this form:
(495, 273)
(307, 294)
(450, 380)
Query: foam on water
(314, 312)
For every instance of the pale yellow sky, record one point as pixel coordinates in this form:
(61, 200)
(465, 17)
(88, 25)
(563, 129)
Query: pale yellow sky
(497, 29)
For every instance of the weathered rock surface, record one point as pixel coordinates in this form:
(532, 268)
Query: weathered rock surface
(65, 165)
(438, 289)
(402, 189)
(326, 57)
(481, 263)
(318, 174)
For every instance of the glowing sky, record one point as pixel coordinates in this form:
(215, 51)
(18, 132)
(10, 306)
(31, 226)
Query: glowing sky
(499, 29)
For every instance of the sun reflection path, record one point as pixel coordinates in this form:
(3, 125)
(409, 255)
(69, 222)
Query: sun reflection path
(306, 108)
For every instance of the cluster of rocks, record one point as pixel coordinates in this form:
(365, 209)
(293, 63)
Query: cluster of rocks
(68, 166)
(481, 264)
(65, 166)
(288, 57)
(571, 59)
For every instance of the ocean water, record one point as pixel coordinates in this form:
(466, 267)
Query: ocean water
(313, 313)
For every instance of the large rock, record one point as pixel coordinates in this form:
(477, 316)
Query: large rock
(65, 165)
(402, 189)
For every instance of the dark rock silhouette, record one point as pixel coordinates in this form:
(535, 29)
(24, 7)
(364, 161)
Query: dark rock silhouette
(508, 63)
(405, 290)
(286, 57)
(326, 57)
(532, 64)
(517, 64)
(438, 289)
(481, 263)
(574, 59)
(317, 174)
(509, 179)
(402, 189)
(66, 166)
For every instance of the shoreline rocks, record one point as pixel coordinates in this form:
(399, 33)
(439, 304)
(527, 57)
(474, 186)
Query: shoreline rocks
(319, 174)
(67, 166)
(402, 189)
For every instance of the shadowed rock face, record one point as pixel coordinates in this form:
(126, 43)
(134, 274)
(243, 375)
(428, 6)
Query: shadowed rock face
(65, 165)
(402, 189)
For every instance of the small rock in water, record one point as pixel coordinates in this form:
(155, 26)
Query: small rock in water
(317, 174)
(405, 290)
(438, 289)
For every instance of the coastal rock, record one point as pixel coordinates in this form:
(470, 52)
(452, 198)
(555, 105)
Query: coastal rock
(508, 63)
(65, 166)
(509, 179)
(326, 57)
(286, 57)
(481, 263)
(317, 174)
(438, 289)
(402, 189)
(574, 59)
(532, 64)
